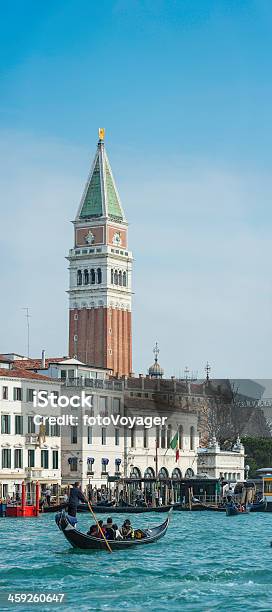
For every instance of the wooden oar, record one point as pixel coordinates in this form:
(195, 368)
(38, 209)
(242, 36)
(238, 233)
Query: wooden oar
(101, 531)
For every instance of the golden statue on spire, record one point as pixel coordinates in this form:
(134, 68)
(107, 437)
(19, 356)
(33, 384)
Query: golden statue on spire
(101, 133)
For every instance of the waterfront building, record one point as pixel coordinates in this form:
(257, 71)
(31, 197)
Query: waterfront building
(215, 462)
(164, 454)
(28, 452)
(100, 266)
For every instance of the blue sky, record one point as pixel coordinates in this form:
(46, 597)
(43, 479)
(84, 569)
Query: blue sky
(183, 89)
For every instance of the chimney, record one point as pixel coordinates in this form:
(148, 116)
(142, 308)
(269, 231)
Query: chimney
(43, 360)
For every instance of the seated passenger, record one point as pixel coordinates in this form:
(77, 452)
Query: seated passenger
(118, 535)
(110, 531)
(127, 531)
(98, 530)
(92, 530)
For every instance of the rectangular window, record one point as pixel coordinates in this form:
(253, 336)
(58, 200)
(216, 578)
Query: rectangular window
(18, 458)
(44, 459)
(47, 428)
(63, 374)
(73, 465)
(117, 437)
(55, 460)
(6, 458)
(30, 425)
(157, 437)
(55, 430)
(73, 434)
(29, 395)
(103, 406)
(90, 435)
(18, 425)
(145, 437)
(17, 394)
(31, 458)
(5, 393)
(116, 405)
(103, 436)
(5, 424)
(163, 437)
(132, 437)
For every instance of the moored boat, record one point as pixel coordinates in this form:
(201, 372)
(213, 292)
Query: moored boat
(86, 542)
(123, 509)
(233, 510)
(260, 506)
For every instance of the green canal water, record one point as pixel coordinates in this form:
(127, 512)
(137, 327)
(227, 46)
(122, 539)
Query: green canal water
(206, 561)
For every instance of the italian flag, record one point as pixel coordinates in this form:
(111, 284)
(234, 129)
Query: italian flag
(174, 445)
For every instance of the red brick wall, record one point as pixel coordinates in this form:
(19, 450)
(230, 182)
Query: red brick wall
(95, 340)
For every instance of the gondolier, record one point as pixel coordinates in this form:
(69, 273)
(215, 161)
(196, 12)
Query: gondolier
(76, 496)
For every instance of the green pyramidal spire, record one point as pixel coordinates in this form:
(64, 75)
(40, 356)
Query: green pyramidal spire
(100, 197)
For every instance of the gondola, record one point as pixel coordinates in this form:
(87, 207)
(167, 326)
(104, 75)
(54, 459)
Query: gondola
(259, 506)
(212, 508)
(193, 508)
(123, 509)
(232, 510)
(85, 542)
(55, 508)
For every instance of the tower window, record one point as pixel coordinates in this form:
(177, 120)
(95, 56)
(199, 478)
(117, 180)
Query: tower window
(116, 277)
(124, 279)
(92, 276)
(79, 277)
(86, 277)
(99, 275)
(112, 277)
(75, 338)
(120, 278)
(75, 317)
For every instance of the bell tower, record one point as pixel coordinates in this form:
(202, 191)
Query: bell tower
(100, 266)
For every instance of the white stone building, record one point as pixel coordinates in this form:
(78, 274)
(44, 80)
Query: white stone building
(217, 463)
(27, 452)
(91, 452)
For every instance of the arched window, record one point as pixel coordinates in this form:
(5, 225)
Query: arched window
(92, 277)
(180, 432)
(120, 278)
(135, 473)
(86, 277)
(169, 435)
(163, 473)
(99, 276)
(116, 277)
(124, 279)
(79, 277)
(111, 276)
(176, 474)
(192, 438)
(149, 473)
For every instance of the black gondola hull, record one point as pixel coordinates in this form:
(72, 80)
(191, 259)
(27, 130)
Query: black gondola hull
(84, 542)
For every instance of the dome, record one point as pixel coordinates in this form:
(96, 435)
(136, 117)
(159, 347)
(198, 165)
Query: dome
(155, 371)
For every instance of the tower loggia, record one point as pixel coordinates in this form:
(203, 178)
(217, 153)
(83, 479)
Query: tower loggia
(100, 274)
